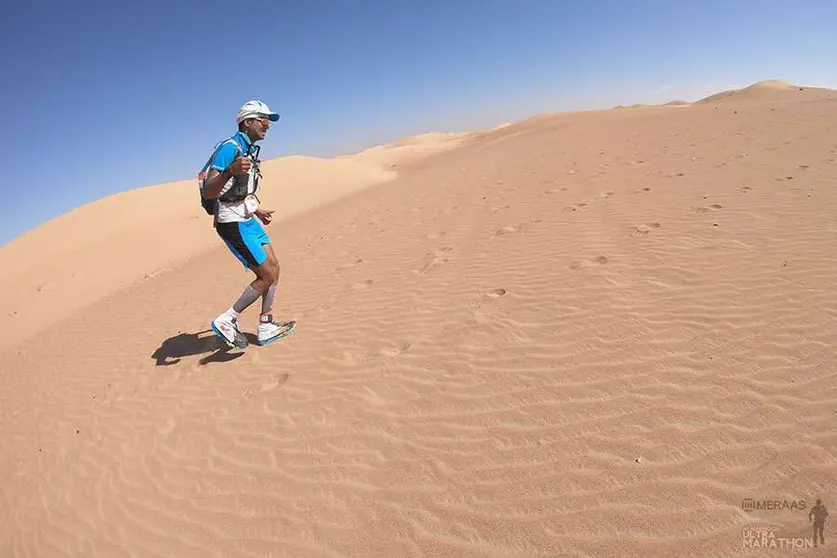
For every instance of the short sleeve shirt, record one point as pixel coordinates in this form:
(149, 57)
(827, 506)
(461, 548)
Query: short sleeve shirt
(225, 155)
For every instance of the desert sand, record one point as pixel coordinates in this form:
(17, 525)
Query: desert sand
(583, 334)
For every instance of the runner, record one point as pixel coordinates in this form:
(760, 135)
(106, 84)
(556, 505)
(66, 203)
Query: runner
(229, 182)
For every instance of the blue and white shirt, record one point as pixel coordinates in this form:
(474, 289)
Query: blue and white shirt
(241, 210)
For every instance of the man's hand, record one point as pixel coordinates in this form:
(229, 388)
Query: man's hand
(240, 165)
(265, 215)
(216, 180)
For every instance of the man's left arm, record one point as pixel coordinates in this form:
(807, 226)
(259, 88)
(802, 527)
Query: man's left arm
(265, 215)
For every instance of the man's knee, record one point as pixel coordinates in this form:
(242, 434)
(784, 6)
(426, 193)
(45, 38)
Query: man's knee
(269, 271)
(275, 270)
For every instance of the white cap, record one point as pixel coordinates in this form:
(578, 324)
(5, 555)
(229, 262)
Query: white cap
(255, 109)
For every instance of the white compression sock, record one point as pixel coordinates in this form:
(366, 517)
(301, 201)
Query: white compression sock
(248, 297)
(267, 299)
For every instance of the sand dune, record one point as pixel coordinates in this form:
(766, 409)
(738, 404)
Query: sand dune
(768, 90)
(100, 248)
(583, 334)
(409, 150)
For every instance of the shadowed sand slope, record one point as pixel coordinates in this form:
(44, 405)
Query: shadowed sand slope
(102, 247)
(580, 335)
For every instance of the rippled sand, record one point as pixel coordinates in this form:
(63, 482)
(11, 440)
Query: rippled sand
(586, 334)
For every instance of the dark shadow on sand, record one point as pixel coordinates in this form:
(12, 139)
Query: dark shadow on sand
(182, 345)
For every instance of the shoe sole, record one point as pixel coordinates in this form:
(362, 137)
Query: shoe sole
(226, 341)
(282, 335)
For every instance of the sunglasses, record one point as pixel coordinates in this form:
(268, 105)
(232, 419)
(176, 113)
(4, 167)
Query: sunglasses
(263, 120)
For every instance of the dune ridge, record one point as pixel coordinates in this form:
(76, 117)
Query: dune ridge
(587, 334)
(766, 90)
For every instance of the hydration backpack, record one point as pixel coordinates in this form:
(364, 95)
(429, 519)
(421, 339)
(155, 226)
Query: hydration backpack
(207, 204)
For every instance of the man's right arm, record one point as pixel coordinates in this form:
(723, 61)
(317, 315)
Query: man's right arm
(215, 183)
(219, 171)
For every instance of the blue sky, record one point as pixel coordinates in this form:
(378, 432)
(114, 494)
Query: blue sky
(101, 97)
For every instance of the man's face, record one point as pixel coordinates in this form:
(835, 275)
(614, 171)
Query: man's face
(257, 128)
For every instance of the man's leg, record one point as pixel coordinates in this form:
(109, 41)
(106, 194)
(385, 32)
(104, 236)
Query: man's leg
(270, 294)
(267, 274)
(269, 329)
(243, 240)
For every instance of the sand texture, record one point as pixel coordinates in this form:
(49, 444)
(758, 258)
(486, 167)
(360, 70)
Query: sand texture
(582, 334)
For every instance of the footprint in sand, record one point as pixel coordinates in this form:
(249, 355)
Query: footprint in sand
(435, 258)
(349, 265)
(714, 206)
(400, 347)
(360, 285)
(644, 229)
(495, 293)
(600, 260)
(431, 265)
(274, 382)
(167, 428)
(507, 230)
(517, 228)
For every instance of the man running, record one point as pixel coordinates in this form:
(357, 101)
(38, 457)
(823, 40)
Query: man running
(229, 193)
(818, 514)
